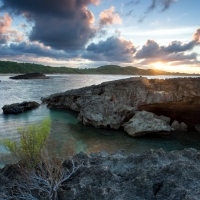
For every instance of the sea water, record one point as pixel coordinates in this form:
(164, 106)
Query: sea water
(65, 126)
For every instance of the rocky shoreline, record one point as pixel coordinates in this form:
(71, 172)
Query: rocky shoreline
(154, 175)
(170, 104)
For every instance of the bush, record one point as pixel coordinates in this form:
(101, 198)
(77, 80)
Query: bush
(32, 141)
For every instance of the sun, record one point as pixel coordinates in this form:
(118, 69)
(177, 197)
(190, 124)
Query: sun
(160, 66)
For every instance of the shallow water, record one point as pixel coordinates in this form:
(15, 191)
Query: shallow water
(64, 123)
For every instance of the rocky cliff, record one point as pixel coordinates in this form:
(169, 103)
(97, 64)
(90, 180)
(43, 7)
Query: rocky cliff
(112, 104)
(155, 175)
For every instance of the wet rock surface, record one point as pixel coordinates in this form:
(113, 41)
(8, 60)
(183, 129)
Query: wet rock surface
(30, 76)
(17, 108)
(154, 175)
(111, 104)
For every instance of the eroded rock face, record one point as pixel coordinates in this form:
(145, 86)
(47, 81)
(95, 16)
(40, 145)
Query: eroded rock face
(19, 107)
(144, 122)
(154, 175)
(101, 105)
(30, 76)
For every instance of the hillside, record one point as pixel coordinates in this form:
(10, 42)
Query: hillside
(21, 68)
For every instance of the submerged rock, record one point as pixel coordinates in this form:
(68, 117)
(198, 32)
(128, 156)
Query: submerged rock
(111, 104)
(154, 175)
(144, 122)
(19, 107)
(30, 76)
(197, 127)
(178, 126)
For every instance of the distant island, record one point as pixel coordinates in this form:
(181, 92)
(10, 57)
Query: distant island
(21, 68)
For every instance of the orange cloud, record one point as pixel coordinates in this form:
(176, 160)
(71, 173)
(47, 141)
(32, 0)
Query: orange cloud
(196, 36)
(5, 23)
(109, 16)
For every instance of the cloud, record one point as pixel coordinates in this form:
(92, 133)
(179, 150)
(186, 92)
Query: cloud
(112, 49)
(196, 36)
(33, 49)
(132, 3)
(162, 4)
(174, 51)
(109, 17)
(61, 24)
(5, 23)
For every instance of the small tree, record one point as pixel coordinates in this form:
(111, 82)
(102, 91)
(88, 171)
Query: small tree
(31, 143)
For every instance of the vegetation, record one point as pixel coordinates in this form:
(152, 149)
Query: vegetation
(32, 141)
(22, 68)
(41, 173)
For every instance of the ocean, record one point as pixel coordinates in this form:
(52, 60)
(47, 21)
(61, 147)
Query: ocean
(65, 127)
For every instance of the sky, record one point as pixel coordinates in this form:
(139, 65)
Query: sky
(156, 34)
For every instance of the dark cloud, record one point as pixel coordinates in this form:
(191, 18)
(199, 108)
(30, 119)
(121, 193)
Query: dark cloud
(162, 4)
(33, 49)
(132, 3)
(61, 24)
(112, 49)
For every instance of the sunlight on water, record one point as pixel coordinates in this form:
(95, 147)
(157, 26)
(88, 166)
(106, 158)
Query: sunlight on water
(64, 123)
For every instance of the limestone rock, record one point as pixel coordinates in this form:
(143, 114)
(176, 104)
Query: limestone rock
(19, 107)
(144, 122)
(103, 114)
(178, 126)
(197, 127)
(30, 76)
(177, 98)
(155, 174)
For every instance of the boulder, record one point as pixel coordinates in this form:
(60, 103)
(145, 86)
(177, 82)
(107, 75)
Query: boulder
(197, 127)
(176, 126)
(30, 76)
(19, 107)
(143, 123)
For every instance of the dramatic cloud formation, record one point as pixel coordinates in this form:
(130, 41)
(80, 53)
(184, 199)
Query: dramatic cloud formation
(163, 4)
(175, 51)
(61, 24)
(112, 49)
(109, 16)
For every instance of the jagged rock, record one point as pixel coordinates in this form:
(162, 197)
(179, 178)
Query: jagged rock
(30, 76)
(19, 107)
(177, 99)
(178, 126)
(105, 114)
(144, 122)
(152, 175)
(197, 127)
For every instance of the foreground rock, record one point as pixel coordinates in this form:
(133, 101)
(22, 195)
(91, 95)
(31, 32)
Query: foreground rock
(19, 107)
(111, 104)
(155, 175)
(30, 76)
(145, 122)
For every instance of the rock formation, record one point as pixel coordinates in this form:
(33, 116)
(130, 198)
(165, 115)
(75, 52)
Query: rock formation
(154, 175)
(178, 126)
(145, 122)
(30, 76)
(111, 104)
(19, 107)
